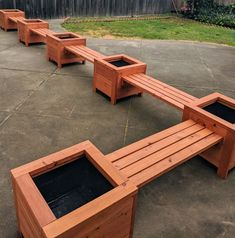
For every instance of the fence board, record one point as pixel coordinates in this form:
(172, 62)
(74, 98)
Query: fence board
(64, 8)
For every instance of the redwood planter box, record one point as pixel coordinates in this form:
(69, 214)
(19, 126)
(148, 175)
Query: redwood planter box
(108, 73)
(73, 193)
(7, 24)
(56, 44)
(217, 112)
(26, 35)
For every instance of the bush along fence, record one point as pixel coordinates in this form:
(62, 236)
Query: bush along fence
(210, 11)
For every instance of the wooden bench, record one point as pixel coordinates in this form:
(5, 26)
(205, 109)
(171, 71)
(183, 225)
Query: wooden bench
(160, 90)
(153, 156)
(84, 52)
(42, 32)
(16, 19)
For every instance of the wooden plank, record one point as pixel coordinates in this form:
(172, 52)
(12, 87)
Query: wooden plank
(151, 149)
(174, 160)
(159, 90)
(85, 215)
(154, 84)
(174, 89)
(16, 19)
(154, 93)
(84, 51)
(160, 155)
(42, 31)
(51, 161)
(36, 204)
(118, 154)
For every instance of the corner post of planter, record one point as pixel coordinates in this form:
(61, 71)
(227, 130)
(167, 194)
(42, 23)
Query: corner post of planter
(217, 113)
(226, 156)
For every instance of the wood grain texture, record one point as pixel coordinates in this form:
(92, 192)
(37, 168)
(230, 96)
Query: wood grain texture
(143, 161)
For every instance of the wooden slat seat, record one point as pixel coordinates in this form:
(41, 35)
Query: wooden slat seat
(15, 19)
(153, 156)
(43, 32)
(85, 52)
(160, 90)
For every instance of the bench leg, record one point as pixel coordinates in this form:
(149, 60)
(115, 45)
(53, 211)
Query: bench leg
(113, 101)
(226, 155)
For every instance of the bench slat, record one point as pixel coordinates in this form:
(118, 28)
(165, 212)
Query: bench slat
(164, 153)
(156, 88)
(151, 149)
(145, 176)
(42, 31)
(160, 88)
(154, 93)
(170, 87)
(15, 19)
(118, 154)
(84, 52)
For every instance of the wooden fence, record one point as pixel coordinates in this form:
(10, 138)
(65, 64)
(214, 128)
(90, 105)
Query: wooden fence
(64, 8)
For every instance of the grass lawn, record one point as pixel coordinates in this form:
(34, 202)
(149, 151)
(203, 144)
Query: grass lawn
(165, 29)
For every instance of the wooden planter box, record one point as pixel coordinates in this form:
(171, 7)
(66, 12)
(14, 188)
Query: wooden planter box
(26, 35)
(73, 193)
(217, 112)
(56, 44)
(7, 24)
(108, 73)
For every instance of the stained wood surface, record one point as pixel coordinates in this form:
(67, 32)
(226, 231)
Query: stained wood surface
(16, 19)
(147, 159)
(84, 52)
(160, 90)
(42, 32)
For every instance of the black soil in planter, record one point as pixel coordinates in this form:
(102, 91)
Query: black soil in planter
(222, 111)
(71, 186)
(119, 63)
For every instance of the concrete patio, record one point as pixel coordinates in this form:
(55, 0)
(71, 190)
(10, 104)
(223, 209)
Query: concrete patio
(44, 109)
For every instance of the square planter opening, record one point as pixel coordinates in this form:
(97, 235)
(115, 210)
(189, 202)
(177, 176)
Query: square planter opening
(217, 113)
(121, 61)
(71, 186)
(109, 72)
(221, 110)
(32, 21)
(77, 187)
(11, 10)
(56, 44)
(66, 36)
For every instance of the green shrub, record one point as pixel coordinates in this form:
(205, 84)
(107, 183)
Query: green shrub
(209, 12)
